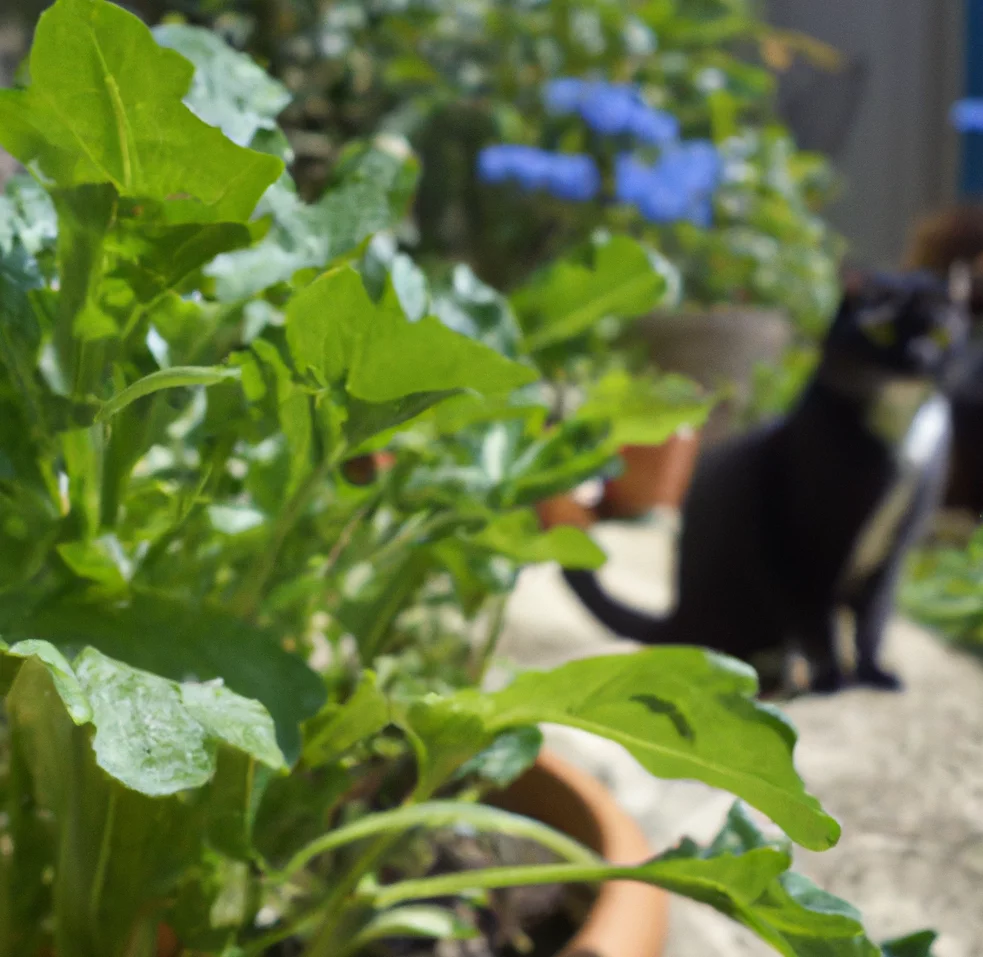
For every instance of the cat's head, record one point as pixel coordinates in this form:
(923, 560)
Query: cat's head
(906, 326)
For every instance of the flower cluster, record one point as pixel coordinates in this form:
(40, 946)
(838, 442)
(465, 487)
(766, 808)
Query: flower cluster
(567, 176)
(967, 116)
(678, 187)
(612, 109)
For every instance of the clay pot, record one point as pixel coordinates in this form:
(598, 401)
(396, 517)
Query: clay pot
(565, 510)
(365, 469)
(654, 475)
(167, 943)
(628, 919)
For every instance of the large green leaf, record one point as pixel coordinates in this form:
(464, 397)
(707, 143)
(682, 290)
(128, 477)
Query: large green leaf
(516, 535)
(645, 410)
(341, 727)
(182, 641)
(681, 712)
(120, 853)
(569, 297)
(746, 877)
(152, 735)
(104, 106)
(337, 333)
(742, 875)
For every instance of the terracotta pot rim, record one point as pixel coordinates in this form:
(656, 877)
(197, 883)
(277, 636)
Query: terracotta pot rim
(628, 919)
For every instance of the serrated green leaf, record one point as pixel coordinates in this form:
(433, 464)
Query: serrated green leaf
(335, 330)
(680, 712)
(104, 106)
(568, 297)
(341, 727)
(446, 732)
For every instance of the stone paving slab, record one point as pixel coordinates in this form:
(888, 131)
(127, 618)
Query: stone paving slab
(903, 773)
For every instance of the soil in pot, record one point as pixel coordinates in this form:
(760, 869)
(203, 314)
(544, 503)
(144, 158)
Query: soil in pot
(620, 919)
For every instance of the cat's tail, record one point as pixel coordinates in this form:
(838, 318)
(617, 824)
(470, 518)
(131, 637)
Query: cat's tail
(622, 620)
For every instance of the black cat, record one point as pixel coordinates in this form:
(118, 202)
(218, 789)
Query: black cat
(784, 526)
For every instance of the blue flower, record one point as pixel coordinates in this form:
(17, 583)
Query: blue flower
(495, 163)
(664, 202)
(967, 116)
(631, 179)
(695, 165)
(654, 127)
(531, 167)
(564, 95)
(573, 177)
(608, 109)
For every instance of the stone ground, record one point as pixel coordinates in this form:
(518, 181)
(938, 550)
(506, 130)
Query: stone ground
(903, 773)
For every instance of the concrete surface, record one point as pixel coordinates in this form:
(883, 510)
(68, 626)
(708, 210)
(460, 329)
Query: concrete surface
(903, 773)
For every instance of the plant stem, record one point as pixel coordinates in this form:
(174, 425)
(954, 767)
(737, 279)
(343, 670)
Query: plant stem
(446, 885)
(437, 814)
(329, 940)
(102, 864)
(250, 593)
(496, 625)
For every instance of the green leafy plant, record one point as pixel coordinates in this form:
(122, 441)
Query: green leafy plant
(456, 78)
(204, 621)
(944, 590)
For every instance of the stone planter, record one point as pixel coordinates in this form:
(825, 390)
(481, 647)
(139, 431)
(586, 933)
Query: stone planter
(719, 348)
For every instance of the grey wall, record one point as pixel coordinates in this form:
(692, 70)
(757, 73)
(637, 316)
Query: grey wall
(900, 158)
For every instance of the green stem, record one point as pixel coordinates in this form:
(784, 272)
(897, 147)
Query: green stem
(447, 885)
(250, 593)
(105, 849)
(329, 940)
(438, 814)
(496, 626)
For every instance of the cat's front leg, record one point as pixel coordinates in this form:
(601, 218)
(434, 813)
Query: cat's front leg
(872, 609)
(818, 643)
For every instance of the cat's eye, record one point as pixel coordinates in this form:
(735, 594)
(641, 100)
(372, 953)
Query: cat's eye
(877, 324)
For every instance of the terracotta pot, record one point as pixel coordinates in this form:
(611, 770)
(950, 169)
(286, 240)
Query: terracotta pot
(628, 919)
(564, 510)
(365, 469)
(717, 347)
(654, 475)
(167, 943)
